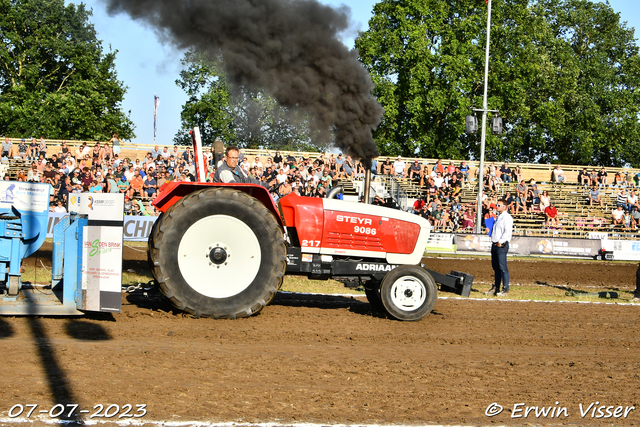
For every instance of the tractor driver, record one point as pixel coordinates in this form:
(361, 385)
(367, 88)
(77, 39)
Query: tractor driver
(229, 171)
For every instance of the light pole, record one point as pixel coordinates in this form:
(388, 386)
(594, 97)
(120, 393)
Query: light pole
(484, 125)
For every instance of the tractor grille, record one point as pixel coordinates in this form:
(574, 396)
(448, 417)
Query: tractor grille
(353, 241)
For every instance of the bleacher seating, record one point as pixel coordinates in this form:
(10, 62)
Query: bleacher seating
(577, 218)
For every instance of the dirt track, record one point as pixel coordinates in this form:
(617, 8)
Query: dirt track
(333, 360)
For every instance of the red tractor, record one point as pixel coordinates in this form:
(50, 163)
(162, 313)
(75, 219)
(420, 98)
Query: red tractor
(222, 250)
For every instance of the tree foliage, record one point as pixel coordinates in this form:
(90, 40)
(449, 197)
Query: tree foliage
(237, 115)
(564, 74)
(54, 79)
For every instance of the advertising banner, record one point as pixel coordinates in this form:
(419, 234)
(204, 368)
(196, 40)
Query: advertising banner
(24, 196)
(625, 250)
(440, 242)
(532, 245)
(102, 207)
(585, 248)
(102, 268)
(101, 249)
(135, 228)
(482, 243)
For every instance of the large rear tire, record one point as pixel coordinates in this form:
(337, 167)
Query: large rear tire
(218, 253)
(408, 292)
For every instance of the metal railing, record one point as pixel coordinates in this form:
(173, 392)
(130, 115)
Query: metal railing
(397, 193)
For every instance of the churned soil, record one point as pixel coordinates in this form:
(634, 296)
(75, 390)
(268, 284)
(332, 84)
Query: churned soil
(333, 360)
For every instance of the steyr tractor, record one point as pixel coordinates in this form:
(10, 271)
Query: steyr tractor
(222, 250)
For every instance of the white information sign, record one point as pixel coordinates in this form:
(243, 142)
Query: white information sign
(101, 266)
(25, 196)
(101, 249)
(98, 206)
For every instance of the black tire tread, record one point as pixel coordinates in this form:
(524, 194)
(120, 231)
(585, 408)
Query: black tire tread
(164, 225)
(425, 278)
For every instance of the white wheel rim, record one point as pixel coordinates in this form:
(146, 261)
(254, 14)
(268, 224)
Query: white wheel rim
(239, 269)
(408, 293)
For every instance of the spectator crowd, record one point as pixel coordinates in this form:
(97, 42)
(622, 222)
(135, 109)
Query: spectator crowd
(99, 167)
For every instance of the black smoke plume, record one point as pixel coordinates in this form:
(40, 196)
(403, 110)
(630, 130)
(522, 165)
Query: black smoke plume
(289, 48)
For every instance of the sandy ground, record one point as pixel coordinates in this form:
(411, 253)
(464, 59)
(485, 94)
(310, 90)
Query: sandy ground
(332, 360)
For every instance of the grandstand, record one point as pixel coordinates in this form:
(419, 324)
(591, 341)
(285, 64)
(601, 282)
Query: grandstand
(577, 218)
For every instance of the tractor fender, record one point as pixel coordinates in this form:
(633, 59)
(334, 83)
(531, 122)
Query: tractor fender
(173, 191)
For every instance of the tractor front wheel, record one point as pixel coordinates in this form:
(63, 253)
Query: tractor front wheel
(408, 292)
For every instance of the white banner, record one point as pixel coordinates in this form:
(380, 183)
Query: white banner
(598, 235)
(98, 206)
(624, 250)
(136, 228)
(101, 267)
(25, 196)
(440, 242)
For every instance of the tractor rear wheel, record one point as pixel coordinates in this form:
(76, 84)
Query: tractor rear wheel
(218, 253)
(408, 292)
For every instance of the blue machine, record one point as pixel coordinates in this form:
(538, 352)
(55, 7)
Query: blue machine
(23, 223)
(24, 217)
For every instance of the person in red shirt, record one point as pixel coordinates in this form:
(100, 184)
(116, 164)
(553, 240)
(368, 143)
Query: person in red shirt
(551, 213)
(417, 206)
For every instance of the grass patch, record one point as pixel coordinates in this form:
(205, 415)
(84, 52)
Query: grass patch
(550, 293)
(538, 292)
(304, 285)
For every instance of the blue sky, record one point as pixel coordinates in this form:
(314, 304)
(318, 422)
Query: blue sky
(147, 67)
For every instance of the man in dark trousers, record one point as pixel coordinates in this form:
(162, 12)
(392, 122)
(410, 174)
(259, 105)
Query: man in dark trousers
(636, 294)
(501, 234)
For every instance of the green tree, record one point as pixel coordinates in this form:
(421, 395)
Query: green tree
(564, 74)
(238, 115)
(54, 79)
(209, 103)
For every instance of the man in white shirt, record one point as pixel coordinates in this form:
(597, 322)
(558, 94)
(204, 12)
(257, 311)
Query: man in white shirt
(59, 208)
(245, 165)
(257, 164)
(438, 180)
(501, 234)
(632, 199)
(281, 177)
(399, 168)
(558, 174)
(617, 216)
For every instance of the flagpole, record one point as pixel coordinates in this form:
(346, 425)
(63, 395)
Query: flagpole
(484, 125)
(156, 102)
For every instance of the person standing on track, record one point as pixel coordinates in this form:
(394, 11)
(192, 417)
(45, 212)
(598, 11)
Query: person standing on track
(636, 293)
(500, 238)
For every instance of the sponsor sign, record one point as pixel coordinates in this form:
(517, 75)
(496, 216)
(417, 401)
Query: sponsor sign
(532, 245)
(101, 267)
(564, 247)
(24, 196)
(440, 242)
(598, 235)
(482, 243)
(625, 250)
(98, 206)
(101, 249)
(374, 267)
(135, 228)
